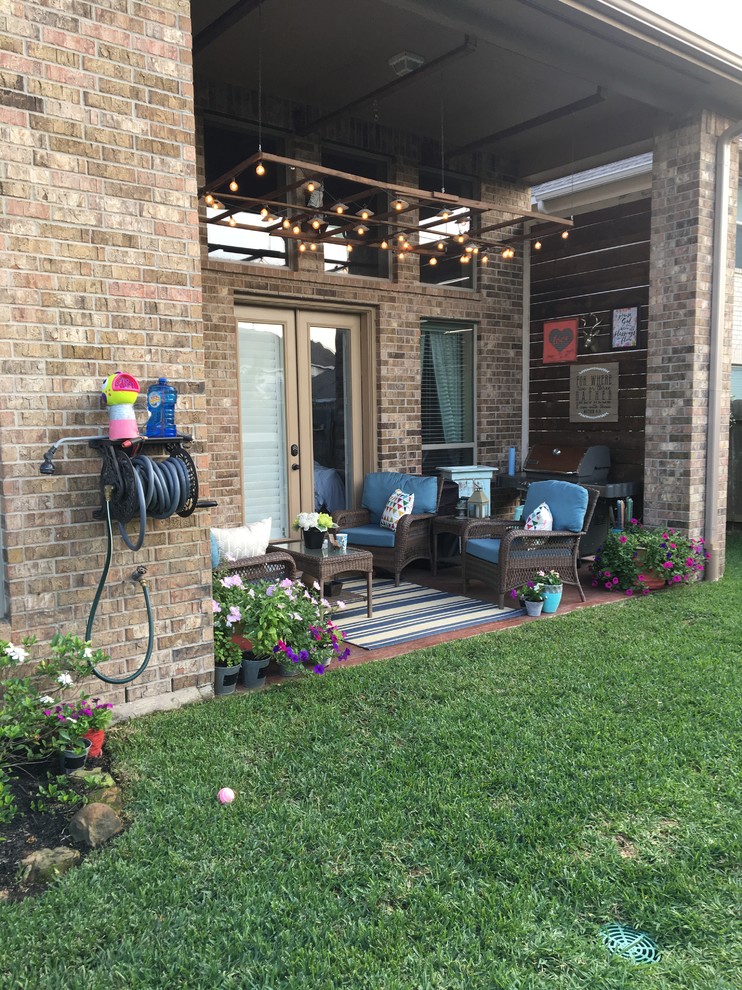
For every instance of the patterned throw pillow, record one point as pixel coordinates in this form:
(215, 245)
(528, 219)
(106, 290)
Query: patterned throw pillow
(540, 518)
(399, 504)
(243, 541)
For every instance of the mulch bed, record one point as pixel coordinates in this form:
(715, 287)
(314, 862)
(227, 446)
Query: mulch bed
(31, 830)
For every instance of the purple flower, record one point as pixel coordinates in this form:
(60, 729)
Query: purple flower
(629, 592)
(615, 580)
(667, 565)
(319, 668)
(609, 585)
(676, 578)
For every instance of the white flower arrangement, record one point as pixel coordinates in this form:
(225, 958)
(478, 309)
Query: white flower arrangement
(314, 520)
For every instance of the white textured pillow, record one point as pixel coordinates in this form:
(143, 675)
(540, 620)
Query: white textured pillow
(540, 518)
(398, 504)
(243, 541)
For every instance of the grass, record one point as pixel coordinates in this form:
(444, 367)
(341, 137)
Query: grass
(464, 818)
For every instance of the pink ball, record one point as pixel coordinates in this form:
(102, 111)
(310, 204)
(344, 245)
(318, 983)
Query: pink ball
(226, 795)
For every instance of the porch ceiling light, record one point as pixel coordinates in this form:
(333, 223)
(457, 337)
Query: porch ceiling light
(341, 208)
(365, 213)
(405, 62)
(399, 204)
(316, 222)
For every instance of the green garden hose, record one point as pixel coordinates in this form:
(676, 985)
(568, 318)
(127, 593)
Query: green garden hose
(137, 576)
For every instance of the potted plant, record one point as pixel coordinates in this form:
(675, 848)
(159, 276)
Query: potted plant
(72, 722)
(292, 622)
(532, 595)
(552, 587)
(100, 716)
(314, 525)
(226, 589)
(640, 558)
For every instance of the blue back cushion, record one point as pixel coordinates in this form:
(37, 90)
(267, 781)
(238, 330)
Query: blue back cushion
(214, 552)
(568, 503)
(377, 488)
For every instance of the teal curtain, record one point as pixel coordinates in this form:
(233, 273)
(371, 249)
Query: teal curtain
(446, 355)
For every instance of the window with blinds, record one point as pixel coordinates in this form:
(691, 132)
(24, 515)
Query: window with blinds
(263, 424)
(447, 394)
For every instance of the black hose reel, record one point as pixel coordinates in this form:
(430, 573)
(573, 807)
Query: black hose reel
(141, 486)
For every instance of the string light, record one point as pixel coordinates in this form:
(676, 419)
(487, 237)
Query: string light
(296, 229)
(302, 246)
(384, 245)
(233, 185)
(264, 212)
(441, 246)
(365, 213)
(260, 169)
(399, 204)
(232, 222)
(401, 237)
(484, 259)
(311, 185)
(286, 224)
(361, 230)
(565, 235)
(433, 261)
(209, 199)
(349, 248)
(340, 208)
(313, 247)
(537, 245)
(316, 222)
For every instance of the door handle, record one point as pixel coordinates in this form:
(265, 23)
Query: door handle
(294, 467)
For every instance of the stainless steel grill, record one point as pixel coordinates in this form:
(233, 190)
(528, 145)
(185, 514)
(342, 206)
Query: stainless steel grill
(578, 464)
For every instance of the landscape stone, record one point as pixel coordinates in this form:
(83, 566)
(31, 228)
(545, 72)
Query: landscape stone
(44, 864)
(95, 824)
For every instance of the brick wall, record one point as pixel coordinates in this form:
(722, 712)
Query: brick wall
(398, 305)
(737, 320)
(679, 322)
(100, 272)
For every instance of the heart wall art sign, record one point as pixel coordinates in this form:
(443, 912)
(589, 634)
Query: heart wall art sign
(560, 341)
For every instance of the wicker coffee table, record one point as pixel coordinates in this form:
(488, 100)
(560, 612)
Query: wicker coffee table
(325, 566)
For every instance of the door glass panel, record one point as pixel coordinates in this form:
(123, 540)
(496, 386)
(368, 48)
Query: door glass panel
(331, 428)
(263, 424)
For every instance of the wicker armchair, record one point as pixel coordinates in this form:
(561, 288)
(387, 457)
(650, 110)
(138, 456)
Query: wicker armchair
(504, 555)
(411, 539)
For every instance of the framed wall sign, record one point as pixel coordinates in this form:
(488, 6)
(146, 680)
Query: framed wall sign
(625, 327)
(560, 340)
(593, 394)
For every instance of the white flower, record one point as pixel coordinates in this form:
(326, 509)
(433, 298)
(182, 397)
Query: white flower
(64, 679)
(340, 604)
(87, 653)
(16, 653)
(46, 700)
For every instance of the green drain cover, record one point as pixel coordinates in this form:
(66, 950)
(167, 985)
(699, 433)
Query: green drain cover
(629, 943)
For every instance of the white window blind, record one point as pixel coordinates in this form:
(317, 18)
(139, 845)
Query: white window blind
(263, 423)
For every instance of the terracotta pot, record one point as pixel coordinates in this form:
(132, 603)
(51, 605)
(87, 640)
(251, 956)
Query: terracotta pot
(97, 738)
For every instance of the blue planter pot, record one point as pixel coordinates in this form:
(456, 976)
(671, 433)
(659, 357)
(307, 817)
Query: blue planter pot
(553, 594)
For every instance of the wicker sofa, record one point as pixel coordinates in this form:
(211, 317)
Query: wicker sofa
(394, 549)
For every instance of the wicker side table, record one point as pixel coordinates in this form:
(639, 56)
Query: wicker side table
(445, 524)
(324, 567)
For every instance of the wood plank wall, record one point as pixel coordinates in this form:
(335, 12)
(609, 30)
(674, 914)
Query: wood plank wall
(603, 265)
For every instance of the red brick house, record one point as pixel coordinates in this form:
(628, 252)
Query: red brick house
(118, 119)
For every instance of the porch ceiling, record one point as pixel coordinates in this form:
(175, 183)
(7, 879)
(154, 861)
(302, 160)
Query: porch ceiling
(505, 94)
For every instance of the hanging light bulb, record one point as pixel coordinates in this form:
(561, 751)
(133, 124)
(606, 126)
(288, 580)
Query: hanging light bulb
(505, 253)
(232, 222)
(401, 237)
(296, 229)
(401, 255)
(441, 246)
(537, 245)
(469, 248)
(565, 235)
(209, 199)
(286, 223)
(311, 185)
(312, 247)
(464, 259)
(443, 214)
(407, 246)
(316, 222)
(302, 246)
(365, 213)
(384, 245)
(260, 169)
(433, 261)
(460, 238)
(349, 248)
(340, 208)
(399, 204)
(484, 259)
(264, 212)
(361, 230)
(269, 218)
(233, 185)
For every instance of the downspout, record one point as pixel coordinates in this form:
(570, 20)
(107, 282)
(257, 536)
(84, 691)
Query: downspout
(716, 342)
(526, 354)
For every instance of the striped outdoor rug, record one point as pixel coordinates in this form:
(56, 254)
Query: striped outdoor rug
(410, 612)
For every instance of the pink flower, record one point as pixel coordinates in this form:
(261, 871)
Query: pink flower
(689, 562)
(667, 565)
(609, 586)
(215, 606)
(641, 578)
(615, 580)
(622, 539)
(629, 592)
(676, 578)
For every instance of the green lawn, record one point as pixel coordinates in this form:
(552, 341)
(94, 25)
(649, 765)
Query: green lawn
(463, 817)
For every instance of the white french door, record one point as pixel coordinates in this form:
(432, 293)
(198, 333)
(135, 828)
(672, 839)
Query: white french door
(301, 412)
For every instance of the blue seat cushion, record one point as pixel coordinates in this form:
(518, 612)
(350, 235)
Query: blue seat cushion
(487, 549)
(214, 552)
(379, 485)
(370, 536)
(567, 502)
